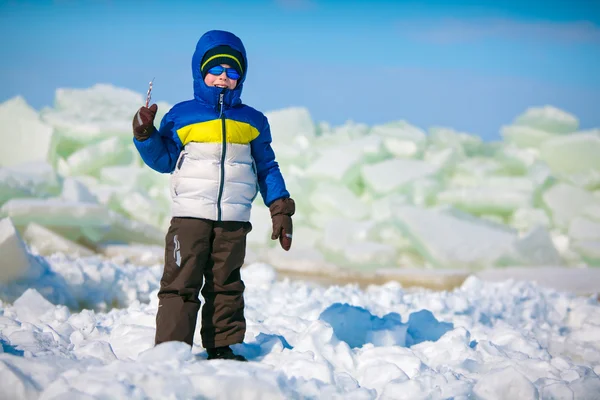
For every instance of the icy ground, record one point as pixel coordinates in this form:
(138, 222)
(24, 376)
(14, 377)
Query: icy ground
(484, 340)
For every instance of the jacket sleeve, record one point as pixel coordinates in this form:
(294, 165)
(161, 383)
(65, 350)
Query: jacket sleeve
(270, 180)
(161, 150)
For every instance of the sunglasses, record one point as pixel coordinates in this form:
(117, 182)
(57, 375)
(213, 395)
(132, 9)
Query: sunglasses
(231, 73)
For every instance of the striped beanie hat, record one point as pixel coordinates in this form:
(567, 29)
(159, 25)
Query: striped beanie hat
(222, 55)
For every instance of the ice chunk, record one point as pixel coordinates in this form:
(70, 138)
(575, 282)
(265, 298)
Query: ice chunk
(288, 123)
(335, 165)
(35, 179)
(389, 175)
(523, 219)
(349, 242)
(585, 239)
(381, 208)
(524, 136)
(584, 229)
(31, 305)
(589, 251)
(76, 191)
(593, 211)
(47, 242)
(133, 177)
(338, 234)
(125, 230)
(328, 136)
(401, 147)
(307, 236)
(138, 254)
(138, 206)
(478, 167)
(445, 159)
(371, 148)
(522, 184)
(91, 159)
(401, 130)
(534, 248)
(24, 137)
(565, 202)
(450, 242)
(489, 195)
(423, 191)
(16, 261)
(351, 129)
(260, 218)
(342, 163)
(485, 200)
(55, 213)
(401, 138)
(84, 116)
(334, 200)
(294, 152)
(367, 255)
(516, 161)
(575, 154)
(549, 119)
(462, 142)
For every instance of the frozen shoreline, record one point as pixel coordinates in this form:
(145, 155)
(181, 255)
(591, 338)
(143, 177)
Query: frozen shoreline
(581, 281)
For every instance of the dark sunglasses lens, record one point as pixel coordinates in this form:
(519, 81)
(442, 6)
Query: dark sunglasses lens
(233, 74)
(217, 70)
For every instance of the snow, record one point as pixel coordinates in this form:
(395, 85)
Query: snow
(484, 339)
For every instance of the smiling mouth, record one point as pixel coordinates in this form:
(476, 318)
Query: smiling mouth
(221, 86)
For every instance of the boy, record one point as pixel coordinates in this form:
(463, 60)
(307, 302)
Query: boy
(219, 153)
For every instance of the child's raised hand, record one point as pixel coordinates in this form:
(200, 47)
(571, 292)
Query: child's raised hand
(281, 216)
(143, 122)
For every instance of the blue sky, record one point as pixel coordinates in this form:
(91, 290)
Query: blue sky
(471, 65)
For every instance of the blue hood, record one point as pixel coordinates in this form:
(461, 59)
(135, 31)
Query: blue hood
(210, 95)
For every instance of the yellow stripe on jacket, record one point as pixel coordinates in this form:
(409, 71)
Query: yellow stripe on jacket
(211, 132)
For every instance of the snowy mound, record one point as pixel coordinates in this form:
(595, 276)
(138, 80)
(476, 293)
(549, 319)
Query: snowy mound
(509, 340)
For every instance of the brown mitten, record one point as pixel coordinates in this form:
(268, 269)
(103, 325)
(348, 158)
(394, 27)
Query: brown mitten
(281, 216)
(143, 122)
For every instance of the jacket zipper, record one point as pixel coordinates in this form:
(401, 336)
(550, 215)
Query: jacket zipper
(223, 149)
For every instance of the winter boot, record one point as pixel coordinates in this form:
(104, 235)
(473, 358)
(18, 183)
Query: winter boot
(223, 353)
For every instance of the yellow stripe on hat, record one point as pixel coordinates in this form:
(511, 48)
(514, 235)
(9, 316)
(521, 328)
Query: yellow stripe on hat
(223, 55)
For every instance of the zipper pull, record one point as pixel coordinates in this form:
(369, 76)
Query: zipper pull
(221, 103)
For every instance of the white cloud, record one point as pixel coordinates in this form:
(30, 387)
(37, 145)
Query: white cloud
(449, 31)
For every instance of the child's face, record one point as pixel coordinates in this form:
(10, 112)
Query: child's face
(222, 81)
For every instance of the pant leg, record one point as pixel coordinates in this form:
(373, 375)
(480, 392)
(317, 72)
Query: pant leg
(223, 321)
(187, 252)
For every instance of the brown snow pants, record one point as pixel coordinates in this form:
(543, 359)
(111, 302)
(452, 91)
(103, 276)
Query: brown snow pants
(200, 250)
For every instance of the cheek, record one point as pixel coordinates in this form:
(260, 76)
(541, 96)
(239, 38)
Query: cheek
(209, 79)
(232, 84)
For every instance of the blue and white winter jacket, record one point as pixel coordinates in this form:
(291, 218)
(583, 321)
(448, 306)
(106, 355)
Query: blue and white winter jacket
(217, 149)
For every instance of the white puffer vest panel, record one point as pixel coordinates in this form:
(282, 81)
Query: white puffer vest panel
(214, 181)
